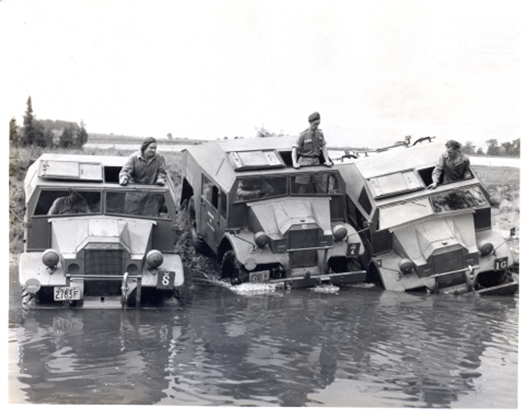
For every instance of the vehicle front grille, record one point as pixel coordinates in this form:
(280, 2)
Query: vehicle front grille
(304, 258)
(103, 262)
(449, 261)
(299, 239)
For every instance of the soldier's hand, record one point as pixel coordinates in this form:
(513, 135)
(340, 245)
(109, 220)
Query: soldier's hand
(431, 186)
(296, 166)
(123, 181)
(160, 182)
(329, 164)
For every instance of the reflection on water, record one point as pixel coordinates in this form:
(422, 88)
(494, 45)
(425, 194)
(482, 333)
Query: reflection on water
(356, 348)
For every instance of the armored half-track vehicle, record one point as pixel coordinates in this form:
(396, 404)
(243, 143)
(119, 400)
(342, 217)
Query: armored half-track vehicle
(438, 240)
(244, 204)
(85, 247)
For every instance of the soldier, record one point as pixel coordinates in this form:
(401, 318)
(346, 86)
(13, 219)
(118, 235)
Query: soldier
(307, 150)
(144, 167)
(253, 188)
(73, 203)
(453, 165)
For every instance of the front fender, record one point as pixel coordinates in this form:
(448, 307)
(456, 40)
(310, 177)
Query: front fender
(31, 267)
(392, 278)
(171, 263)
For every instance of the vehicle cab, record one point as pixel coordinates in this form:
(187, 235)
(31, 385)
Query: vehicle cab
(245, 205)
(84, 244)
(439, 240)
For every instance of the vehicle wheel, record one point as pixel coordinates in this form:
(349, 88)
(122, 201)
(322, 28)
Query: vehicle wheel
(29, 300)
(197, 240)
(232, 269)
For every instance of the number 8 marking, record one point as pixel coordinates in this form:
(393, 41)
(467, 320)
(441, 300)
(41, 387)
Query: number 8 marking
(166, 279)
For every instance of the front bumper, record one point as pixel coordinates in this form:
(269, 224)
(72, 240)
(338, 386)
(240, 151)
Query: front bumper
(344, 278)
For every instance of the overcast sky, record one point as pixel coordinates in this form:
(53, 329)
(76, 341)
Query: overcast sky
(375, 70)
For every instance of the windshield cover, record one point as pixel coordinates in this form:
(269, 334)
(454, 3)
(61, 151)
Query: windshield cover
(458, 199)
(137, 203)
(403, 212)
(316, 183)
(258, 188)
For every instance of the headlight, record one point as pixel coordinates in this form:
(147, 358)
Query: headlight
(50, 258)
(485, 248)
(339, 232)
(250, 264)
(406, 265)
(261, 239)
(154, 258)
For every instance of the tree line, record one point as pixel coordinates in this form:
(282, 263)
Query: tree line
(494, 149)
(46, 133)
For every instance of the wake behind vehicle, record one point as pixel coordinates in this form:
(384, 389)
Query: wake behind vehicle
(245, 206)
(84, 248)
(438, 240)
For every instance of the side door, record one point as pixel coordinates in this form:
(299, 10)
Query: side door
(209, 225)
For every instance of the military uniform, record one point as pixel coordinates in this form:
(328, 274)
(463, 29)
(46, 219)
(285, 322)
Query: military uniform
(452, 170)
(309, 148)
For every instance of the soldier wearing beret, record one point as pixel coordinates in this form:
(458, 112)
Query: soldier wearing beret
(307, 150)
(144, 167)
(452, 166)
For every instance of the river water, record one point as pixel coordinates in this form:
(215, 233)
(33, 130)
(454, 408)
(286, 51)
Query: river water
(354, 347)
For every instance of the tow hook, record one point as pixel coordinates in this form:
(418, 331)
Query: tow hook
(125, 289)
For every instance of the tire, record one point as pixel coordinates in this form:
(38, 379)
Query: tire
(197, 241)
(232, 269)
(29, 300)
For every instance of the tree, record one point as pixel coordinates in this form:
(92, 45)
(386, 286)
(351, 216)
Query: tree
(13, 132)
(468, 148)
(511, 149)
(264, 133)
(28, 132)
(480, 151)
(82, 137)
(492, 147)
(169, 135)
(67, 138)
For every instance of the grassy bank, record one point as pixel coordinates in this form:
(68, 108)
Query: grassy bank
(503, 184)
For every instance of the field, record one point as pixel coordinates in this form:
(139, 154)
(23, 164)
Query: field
(95, 138)
(503, 184)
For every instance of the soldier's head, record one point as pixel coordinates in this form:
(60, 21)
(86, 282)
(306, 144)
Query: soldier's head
(149, 147)
(314, 120)
(453, 147)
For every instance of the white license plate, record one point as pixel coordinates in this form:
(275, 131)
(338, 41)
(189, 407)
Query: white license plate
(260, 276)
(66, 293)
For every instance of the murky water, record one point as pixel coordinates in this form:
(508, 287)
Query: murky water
(358, 347)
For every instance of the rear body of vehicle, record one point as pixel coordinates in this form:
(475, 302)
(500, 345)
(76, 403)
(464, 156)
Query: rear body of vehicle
(104, 257)
(439, 240)
(245, 206)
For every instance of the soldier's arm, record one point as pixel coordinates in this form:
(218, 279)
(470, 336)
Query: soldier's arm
(467, 174)
(161, 172)
(127, 171)
(54, 208)
(436, 174)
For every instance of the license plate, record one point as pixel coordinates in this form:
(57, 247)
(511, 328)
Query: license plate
(501, 264)
(165, 279)
(66, 293)
(260, 276)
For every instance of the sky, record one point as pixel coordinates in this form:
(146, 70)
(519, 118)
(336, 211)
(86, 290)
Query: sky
(376, 71)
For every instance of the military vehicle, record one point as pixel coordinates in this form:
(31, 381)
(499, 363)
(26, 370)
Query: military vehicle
(244, 205)
(437, 240)
(85, 247)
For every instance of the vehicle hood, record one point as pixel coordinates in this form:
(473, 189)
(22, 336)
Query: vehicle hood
(420, 241)
(70, 235)
(277, 217)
